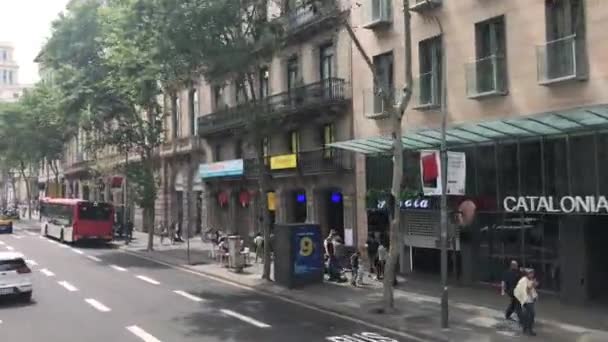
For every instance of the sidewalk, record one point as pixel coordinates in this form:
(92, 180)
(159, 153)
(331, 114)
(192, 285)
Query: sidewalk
(475, 314)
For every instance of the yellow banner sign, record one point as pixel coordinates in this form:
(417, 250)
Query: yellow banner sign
(286, 161)
(272, 201)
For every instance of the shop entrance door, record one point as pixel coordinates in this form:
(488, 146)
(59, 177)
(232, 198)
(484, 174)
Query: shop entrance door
(597, 269)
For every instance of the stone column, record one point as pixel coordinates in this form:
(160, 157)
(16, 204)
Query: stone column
(349, 212)
(233, 203)
(311, 205)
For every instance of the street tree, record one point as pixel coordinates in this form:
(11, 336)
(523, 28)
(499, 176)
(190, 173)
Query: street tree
(232, 39)
(106, 57)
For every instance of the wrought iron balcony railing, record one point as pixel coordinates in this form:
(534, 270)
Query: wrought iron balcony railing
(314, 162)
(309, 15)
(326, 92)
(486, 77)
(427, 91)
(561, 60)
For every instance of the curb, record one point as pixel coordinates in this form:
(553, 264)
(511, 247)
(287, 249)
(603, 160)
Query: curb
(293, 299)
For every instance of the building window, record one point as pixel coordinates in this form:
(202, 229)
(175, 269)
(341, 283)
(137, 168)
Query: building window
(174, 115)
(217, 152)
(177, 117)
(266, 147)
(292, 73)
(238, 149)
(241, 92)
(264, 79)
(490, 46)
(326, 57)
(564, 53)
(430, 56)
(384, 71)
(194, 112)
(328, 137)
(218, 98)
(10, 77)
(294, 142)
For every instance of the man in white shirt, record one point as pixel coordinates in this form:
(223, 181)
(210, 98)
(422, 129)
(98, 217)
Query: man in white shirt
(526, 294)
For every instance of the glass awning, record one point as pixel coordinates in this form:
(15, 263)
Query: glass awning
(540, 125)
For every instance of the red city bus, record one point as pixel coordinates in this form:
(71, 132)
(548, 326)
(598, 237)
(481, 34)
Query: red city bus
(72, 220)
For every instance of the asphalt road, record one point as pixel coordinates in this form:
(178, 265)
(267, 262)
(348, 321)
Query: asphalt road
(101, 294)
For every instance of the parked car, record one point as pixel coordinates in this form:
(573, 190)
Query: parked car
(15, 276)
(6, 225)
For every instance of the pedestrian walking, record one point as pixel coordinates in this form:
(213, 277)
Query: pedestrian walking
(372, 252)
(356, 269)
(178, 232)
(526, 294)
(382, 257)
(129, 231)
(258, 242)
(509, 281)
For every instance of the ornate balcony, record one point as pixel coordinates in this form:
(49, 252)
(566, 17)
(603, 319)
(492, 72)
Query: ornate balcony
(300, 103)
(307, 18)
(180, 146)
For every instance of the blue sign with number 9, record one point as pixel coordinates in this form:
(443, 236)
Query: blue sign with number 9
(307, 247)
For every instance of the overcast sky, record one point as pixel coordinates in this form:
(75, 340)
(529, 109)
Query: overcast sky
(27, 24)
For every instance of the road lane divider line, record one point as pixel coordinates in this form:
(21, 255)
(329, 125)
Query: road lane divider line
(31, 262)
(10, 248)
(18, 237)
(189, 296)
(283, 298)
(77, 251)
(149, 280)
(245, 318)
(142, 334)
(68, 286)
(118, 268)
(2, 243)
(97, 305)
(47, 272)
(94, 258)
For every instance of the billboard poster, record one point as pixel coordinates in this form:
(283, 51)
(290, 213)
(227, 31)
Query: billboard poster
(430, 172)
(308, 250)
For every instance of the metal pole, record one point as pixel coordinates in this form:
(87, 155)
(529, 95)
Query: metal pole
(444, 200)
(125, 199)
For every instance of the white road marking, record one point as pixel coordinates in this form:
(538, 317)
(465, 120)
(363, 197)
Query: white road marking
(280, 297)
(118, 268)
(42, 236)
(10, 248)
(31, 262)
(245, 318)
(18, 237)
(149, 280)
(94, 258)
(68, 286)
(142, 334)
(47, 272)
(97, 305)
(189, 296)
(2, 243)
(77, 251)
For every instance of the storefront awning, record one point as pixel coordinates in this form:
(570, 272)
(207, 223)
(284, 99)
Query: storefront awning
(546, 124)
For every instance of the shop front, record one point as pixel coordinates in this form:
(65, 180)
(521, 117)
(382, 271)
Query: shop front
(535, 192)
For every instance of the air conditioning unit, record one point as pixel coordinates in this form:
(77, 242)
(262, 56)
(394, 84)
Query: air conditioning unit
(377, 13)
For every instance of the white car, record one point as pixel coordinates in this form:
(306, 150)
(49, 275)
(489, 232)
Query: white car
(15, 276)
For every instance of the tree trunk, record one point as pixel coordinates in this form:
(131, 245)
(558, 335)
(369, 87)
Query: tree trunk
(191, 199)
(149, 197)
(396, 118)
(148, 221)
(28, 190)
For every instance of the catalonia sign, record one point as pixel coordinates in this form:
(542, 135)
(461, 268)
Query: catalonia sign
(550, 204)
